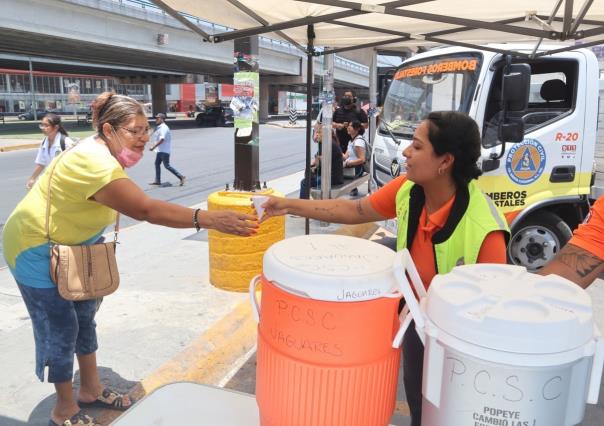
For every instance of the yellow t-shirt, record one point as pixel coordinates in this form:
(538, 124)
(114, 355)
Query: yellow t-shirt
(74, 218)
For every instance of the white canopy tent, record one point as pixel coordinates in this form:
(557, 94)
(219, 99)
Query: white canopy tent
(396, 24)
(352, 25)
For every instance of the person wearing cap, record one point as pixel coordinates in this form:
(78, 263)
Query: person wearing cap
(581, 260)
(163, 142)
(444, 219)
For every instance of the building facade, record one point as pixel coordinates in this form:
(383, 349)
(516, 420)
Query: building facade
(58, 92)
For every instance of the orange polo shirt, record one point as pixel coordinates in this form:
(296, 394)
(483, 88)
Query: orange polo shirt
(590, 234)
(384, 202)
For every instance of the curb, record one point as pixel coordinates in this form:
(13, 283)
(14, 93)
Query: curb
(18, 147)
(206, 360)
(286, 125)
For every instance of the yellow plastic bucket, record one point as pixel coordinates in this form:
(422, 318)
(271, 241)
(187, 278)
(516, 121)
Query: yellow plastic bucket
(235, 260)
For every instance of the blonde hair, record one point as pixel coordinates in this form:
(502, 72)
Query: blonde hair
(114, 109)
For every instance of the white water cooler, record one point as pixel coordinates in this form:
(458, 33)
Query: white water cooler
(506, 347)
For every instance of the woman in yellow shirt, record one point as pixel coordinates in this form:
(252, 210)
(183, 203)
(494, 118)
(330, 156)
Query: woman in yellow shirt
(88, 186)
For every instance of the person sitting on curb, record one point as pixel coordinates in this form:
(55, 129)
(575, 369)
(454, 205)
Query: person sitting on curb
(88, 186)
(163, 143)
(55, 141)
(444, 219)
(581, 260)
(354, 157)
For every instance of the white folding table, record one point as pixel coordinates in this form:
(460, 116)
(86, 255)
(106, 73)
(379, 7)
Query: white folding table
(192, 403)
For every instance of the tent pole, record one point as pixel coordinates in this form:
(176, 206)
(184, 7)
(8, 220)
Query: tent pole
(568, 17)
(263, 21)
(373, 89)
(307, 20)
(310, 32)
(580, 17)
(549, 21)
(570, 47)
(327, 94)
(174, 14)
(462, 22)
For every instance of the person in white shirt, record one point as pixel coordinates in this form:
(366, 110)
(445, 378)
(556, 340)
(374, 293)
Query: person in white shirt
(355, 157)
(162, 139)
(55, 141)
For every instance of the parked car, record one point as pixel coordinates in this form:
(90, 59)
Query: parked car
(215, 116)
(29, 115)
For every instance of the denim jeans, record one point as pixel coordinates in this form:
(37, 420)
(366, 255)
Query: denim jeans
(164, 157)
(315, 182)
(61, 328)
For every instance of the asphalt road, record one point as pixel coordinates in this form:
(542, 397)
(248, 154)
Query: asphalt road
(204, 155)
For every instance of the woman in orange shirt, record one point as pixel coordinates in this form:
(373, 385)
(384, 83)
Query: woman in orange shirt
(443, 218)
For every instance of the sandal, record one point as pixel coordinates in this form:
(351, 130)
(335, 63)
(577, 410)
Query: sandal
(78, 418)
(110, 399)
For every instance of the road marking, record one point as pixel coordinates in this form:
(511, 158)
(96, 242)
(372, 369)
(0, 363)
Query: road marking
(237, 366)
(17, 147)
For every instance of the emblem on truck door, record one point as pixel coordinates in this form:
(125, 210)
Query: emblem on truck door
(395, 168)
(525, 161)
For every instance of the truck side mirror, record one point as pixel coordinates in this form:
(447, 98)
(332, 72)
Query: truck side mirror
(515, 87)
(513, 131)
(515, 95)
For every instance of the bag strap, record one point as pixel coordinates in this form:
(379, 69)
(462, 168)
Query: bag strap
(364, 141)
(116, 229)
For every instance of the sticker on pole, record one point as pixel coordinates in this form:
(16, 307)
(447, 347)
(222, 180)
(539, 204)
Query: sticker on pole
(525, 162)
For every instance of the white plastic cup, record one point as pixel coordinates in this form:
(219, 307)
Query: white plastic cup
(258, 201)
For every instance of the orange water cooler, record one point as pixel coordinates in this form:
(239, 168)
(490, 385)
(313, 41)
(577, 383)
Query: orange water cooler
(327, 320)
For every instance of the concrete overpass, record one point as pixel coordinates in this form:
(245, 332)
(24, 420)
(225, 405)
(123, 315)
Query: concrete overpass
(138, 43)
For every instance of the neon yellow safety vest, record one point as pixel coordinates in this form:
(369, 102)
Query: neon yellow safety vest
(473, 216)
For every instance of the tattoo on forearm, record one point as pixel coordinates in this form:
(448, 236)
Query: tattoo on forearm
(579, 260)
(327, 210)
(360, 208)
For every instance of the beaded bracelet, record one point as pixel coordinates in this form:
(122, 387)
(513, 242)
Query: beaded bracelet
(195, 222)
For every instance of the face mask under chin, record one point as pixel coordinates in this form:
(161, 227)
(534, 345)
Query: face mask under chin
(126, 156)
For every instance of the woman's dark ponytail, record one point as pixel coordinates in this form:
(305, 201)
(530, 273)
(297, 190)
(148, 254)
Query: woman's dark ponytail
(55, 120)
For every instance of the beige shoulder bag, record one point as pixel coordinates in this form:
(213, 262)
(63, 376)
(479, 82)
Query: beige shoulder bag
(86, 271)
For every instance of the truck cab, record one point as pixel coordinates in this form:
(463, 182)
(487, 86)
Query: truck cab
(541, 182)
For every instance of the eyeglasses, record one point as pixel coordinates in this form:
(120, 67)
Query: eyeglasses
(138, 132)
(43, 126)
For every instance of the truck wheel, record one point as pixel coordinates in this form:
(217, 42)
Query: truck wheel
(537, 239)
